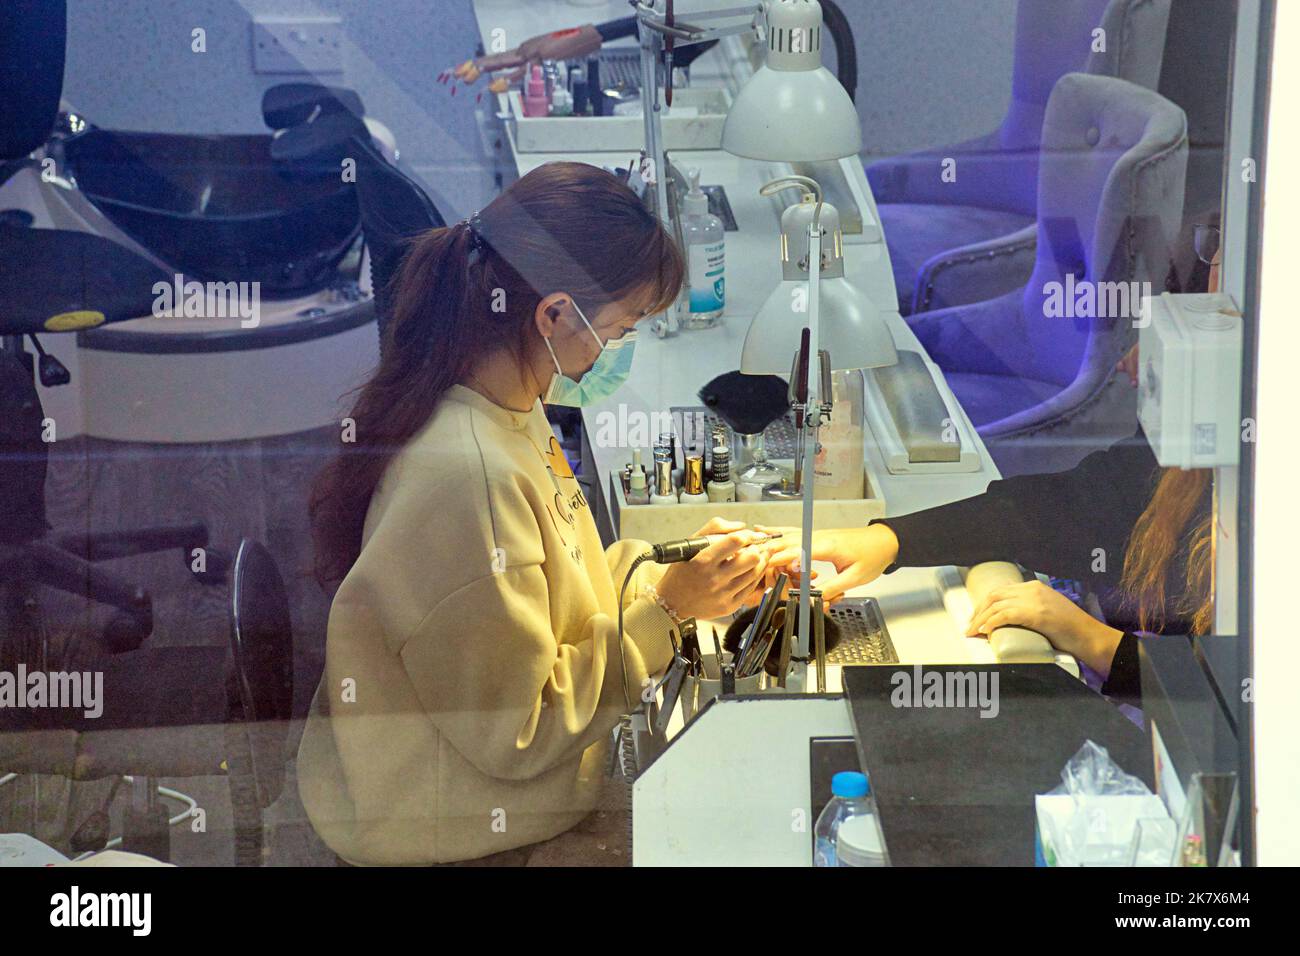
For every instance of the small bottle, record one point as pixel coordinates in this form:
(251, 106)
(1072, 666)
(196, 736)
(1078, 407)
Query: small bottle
(578, 84)
(721, 487)
(638, 493)
(848, 830)
(668, 440)
(561, 102)
(535, 101)
(595, 92)
(664, 493)
(706, 255)
(693, 492)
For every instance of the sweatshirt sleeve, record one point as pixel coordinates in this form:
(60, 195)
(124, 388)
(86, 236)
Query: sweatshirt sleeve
(1054, 523)
(506, 693)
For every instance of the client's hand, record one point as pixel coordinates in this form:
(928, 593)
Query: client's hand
(718, 580)
(570, 44)
(1067, 626)
(860, 555)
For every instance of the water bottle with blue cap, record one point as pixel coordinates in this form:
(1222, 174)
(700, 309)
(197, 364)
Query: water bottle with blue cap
(848, 831)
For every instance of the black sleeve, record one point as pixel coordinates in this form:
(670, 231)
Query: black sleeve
(1124, 684)
(617, 29)
(683, 56)
(1054, 523)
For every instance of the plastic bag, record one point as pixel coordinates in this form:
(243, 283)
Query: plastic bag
(1092, 772)
(1096, 833)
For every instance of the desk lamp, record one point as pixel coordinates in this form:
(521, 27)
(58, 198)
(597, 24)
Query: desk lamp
(791, 110)
(827, 324)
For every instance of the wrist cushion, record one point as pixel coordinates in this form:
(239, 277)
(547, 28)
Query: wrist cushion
(1011, 645)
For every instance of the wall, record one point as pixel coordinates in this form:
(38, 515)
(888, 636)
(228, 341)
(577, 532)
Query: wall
(931, 72)
(130, 66)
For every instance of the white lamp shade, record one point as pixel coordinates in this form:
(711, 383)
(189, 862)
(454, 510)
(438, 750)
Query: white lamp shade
(850, 327)
(792, 116)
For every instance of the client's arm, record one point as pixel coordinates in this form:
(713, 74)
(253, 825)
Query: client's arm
(1073, 524)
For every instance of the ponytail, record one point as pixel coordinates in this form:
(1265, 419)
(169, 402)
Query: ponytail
(464, 292)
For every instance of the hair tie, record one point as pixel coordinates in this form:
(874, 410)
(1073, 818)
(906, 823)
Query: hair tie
(475, 225)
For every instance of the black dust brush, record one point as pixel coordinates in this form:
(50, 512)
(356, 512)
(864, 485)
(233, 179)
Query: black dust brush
(747, 403)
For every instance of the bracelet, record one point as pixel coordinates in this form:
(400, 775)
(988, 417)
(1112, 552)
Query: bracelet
(650, 591)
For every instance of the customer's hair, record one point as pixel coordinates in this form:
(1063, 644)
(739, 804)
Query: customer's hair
(464, 292)
(1165, 529)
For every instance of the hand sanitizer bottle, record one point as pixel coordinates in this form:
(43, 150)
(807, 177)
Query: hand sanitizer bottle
(706, 258)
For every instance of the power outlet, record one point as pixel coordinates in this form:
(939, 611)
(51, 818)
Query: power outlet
(297, 45)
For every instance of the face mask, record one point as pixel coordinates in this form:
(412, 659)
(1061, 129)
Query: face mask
(601, 380)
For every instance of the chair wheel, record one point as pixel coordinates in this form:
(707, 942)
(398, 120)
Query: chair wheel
(214, 564)
(125, 632)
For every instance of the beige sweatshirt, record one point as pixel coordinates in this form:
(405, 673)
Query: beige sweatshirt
(471, 675)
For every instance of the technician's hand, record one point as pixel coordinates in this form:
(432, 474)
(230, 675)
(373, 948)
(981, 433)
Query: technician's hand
(571, 44)
(718, 580)
(860, 555)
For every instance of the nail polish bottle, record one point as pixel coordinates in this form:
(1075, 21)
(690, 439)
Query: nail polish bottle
(693, 492)
(595, 94)
(721, 488)
(664, 493)
(578, 85)
(535, 102)
(637, 493)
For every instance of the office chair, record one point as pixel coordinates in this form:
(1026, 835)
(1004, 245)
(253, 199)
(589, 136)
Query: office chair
(56, 281)
(953, 242)
(175, 712)
(1042, 390)
(323, 127)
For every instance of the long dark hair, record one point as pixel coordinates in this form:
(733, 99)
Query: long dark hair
(463, 293)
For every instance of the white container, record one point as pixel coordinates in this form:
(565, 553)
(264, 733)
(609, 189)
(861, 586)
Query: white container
(694, 122)
(1189, 379)
(666, 522)
(839, 462)
(697, 692)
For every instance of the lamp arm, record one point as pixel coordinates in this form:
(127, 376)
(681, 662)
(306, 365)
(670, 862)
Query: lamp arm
(687, 34)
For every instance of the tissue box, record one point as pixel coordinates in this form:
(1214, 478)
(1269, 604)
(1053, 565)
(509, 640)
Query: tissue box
(1110, 824)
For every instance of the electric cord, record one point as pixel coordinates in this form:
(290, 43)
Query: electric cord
(622, 654)
(846, 52)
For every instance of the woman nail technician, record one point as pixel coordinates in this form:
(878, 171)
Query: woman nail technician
(472, 664)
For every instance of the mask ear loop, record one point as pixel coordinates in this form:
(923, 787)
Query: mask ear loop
(590, 328)
(555, 313)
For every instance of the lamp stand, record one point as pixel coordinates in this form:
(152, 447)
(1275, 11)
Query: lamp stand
(813, 408)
